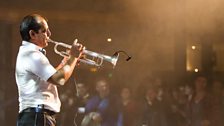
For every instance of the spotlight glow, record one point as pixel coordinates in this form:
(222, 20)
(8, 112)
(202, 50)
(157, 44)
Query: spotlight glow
(193, 47)
(109, 39)
(196, 70)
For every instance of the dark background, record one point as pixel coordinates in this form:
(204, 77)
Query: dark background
(158, 34)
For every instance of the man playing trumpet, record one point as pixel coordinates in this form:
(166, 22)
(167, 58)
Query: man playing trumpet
(36, 78)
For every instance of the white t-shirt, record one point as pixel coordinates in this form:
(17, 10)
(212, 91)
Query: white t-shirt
(32, 72)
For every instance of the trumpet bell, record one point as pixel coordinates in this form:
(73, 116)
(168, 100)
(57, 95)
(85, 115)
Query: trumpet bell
(97, 59)
(113, 59)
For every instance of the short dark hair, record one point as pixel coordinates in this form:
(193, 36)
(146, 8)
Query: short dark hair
(28, 23)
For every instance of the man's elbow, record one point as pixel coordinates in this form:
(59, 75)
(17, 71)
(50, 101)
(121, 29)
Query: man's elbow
(58, 82)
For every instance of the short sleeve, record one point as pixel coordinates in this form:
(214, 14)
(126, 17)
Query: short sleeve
(40, 65)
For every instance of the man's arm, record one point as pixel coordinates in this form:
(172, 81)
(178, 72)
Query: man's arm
(67, 66)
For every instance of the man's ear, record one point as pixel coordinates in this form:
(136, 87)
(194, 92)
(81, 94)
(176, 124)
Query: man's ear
(32, 34)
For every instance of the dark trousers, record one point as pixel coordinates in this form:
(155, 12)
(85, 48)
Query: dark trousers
(29, 117)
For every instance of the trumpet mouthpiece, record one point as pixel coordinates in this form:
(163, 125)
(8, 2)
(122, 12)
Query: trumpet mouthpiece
(50, 40)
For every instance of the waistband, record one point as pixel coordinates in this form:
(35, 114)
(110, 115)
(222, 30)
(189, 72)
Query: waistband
(39, 110)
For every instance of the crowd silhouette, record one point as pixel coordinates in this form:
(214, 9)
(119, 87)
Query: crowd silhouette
(152, 103)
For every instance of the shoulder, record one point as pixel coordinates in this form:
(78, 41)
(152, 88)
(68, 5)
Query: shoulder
(28, 56)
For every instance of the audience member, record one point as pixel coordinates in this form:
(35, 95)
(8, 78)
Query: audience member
(128, 110)
(199, 105)
(101, 109)
(216, 104)
(83, 95)
(153, 113)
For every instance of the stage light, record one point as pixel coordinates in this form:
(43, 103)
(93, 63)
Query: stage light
(196, 70)
(193, 47)
(109, 39)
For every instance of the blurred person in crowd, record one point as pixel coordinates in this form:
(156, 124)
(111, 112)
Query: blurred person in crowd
(36, 78)
(216, 104)
(83, 95)
(178, 104)
(101, 109)
(153, 111)
(199, 107)
(159, 84)
(128, 109)
(68, 103)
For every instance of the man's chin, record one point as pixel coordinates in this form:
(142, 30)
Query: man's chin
(46, 44)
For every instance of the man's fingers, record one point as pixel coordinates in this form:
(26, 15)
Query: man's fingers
(75, 41)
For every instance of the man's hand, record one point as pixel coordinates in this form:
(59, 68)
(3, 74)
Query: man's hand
(77, 49)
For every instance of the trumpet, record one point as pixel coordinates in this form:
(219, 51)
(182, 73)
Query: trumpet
(95, 59)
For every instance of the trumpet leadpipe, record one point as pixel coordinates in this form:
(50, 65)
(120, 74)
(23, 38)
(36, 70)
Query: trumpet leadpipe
(87, 52)
(60, 43)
